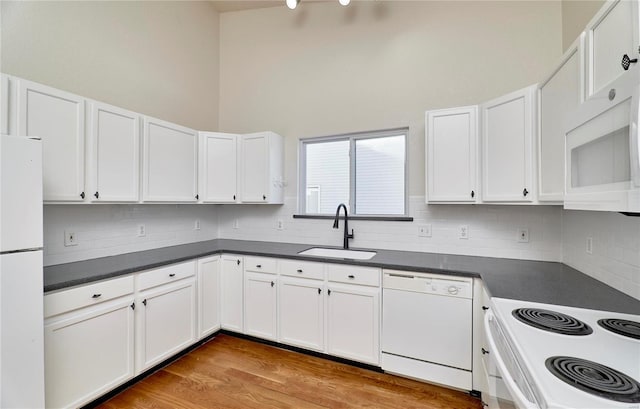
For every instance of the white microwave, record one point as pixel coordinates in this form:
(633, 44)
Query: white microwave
(602, 149)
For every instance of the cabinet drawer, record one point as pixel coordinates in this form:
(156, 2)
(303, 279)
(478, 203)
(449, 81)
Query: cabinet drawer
(354, 275)
(302, 269)
(260, 264)
(90, 294)
(163, 275)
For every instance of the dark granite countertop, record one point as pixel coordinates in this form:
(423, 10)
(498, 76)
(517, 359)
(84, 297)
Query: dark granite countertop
(537, 281)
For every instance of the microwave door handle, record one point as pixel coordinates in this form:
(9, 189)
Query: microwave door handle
(521, 401)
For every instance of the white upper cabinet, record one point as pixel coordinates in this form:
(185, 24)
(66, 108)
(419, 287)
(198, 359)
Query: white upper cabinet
(558, 96)
(218, 167)
(57, 118)
(261, 164)
(170, 162)
(4, 105)
(114, 153)
(507, 147)
(611, 34)
(451, 152)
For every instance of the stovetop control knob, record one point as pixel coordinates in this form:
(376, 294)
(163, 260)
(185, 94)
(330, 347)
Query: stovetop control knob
(453, 290)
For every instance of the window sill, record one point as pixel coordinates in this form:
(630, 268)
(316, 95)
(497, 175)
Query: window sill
(372, 218)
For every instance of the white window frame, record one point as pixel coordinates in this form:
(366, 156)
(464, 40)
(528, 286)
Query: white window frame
(352, 138)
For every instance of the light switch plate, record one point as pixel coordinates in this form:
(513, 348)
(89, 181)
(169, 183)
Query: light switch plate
(424, 230)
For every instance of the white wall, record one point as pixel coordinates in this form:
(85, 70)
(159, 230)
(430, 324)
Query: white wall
(106, 230)
(575, 16)
(159, 58)
(615, 258)
(493, 230)
(323, 69)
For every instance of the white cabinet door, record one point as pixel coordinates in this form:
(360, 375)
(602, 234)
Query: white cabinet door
(88, 352)
(4, 104)
(260, 305)
(452, 155)
(231, 293)
(218, 168)
(57, 118)
(612, 33)
(208, 295)
(170, 162)
(559, 95)
(507, 147)
(353, 317)
(301, 313)
(115, 153)
(261, 164)
(166, 322)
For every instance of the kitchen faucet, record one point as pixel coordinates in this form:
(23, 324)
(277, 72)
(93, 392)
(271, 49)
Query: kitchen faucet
(347, 236)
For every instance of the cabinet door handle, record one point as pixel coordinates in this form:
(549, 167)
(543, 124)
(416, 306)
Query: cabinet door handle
(133, 306)
(473, 194)
(272, 284)
(525, 192)
(484, 351)
(264, 197)
(96, 296)
(97, 195)
(258, 265)
(328, 292)
(234, 197)
(319, 290)
(351, 276)
(144, 302)
(82, 195)
(299, 270)
(197, 197)
(484, 308)
(238, 261)
(172, 275)
(626, 62)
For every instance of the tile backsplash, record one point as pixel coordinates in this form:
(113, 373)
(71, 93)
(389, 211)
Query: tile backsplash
(615, 247)
(104, 230)
(492, 230)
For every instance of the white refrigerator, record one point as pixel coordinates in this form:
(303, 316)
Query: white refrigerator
(21, 281)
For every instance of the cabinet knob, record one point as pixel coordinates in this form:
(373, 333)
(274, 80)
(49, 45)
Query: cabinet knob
(172, 275)
(197, 197)
(144, 302)
(82, 195)
(96, 296)
(97, 195)
(525, 192)
(234, 197)
(264, 197)
(319, 290)
(328, 292)
(484, 351)
(258, 265)
(238, 261)
(272, 284)
(626, 62)
(473, 194)
(133, 306)
(484, 308)
(351, 276)
(299, 270)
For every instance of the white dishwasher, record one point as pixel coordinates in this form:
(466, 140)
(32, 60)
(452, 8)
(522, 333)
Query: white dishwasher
(427, 327)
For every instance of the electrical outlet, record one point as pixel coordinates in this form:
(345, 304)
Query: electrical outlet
(142, 231)
(196, 226)
(523, 235)
(70, 238)
(280, 225)
(463, 231)
(236, 223)
(424, 230)
(589, 245)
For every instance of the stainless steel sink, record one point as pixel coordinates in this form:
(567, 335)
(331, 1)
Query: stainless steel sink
(338, 253)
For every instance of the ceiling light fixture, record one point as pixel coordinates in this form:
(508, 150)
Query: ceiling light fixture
(292, 4)
(344, 2)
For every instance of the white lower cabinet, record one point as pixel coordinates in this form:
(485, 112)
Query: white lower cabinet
(301, 313)
(353, 317)
(89, 342)
(166, 322)
(260, 306)
(208, 296)
(231, 293)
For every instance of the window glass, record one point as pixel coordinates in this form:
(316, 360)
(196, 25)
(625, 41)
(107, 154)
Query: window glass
(327, 176)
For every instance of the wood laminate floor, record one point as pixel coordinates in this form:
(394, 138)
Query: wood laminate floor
(229, 372)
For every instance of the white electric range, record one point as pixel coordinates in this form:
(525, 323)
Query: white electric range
(580, 362)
